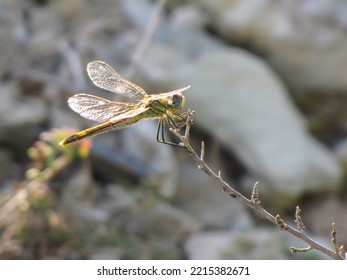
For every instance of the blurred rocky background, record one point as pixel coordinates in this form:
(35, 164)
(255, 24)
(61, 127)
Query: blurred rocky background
(269, 87)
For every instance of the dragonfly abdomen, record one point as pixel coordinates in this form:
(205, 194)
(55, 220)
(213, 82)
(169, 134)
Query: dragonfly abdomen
(99, 129)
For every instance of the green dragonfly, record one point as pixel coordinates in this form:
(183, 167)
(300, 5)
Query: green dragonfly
(115, 115)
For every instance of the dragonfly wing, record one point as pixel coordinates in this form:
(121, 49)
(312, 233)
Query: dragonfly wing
(167, 94)
(105, 77)
(98, 109)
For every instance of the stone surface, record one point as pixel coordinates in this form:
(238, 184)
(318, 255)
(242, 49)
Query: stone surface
(140, 143)
(319, 215)
(303, 40)
(199, 196)
(138, 212)
(29, 110)
(164, 222)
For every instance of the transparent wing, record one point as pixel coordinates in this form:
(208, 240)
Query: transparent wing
(167, 94)
(105, 77)
(99, 109)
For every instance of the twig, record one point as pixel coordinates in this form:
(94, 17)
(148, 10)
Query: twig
(146, 39)
(254, 202)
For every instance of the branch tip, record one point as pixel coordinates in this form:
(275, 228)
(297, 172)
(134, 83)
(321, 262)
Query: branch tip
(334, 238)
(255, 195)
(300, 250)
(254, 202)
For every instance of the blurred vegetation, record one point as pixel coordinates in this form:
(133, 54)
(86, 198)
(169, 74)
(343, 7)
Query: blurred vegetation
(32, 227)
(29, 221)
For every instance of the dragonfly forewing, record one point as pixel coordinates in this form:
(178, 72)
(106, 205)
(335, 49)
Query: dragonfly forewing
(105, 77)
(167, 94)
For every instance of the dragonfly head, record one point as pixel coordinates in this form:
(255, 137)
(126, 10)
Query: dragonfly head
(176, 102)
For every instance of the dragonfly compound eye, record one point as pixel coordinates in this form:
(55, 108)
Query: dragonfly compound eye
(177, 101)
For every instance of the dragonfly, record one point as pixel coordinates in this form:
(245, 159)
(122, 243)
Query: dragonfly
(115, 115)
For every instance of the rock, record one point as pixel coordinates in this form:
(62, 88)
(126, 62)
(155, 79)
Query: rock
(28, 110)
(78, 200)
(340, 152)
(118, 199)
(199, 196)
(140, 213)
(10, 34)
(162, 222)
(9, 171)
(319, 215)
(303, 40)
(140, 143)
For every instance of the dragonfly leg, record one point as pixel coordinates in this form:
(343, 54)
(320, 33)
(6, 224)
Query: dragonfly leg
(177, 121)
(161, 133)
(159, 127)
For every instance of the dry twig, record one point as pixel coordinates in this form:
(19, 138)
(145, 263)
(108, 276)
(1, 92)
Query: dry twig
(254, 202)
(146, 39)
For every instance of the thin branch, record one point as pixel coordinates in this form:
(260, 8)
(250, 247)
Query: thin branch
(146, 39)
(252, 203)
(333, 238)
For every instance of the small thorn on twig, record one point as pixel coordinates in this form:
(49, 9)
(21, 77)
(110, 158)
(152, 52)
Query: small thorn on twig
(202, 153)
(255, 195)
(219, 174)
(280, 222)
(299, 223)
(300, 250)
(333, 238)
(189, 123)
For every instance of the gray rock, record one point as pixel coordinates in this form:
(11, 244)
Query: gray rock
(139, 214)
(320, 214)
(199, 196)
(304, 40)
(28, 110)
(164, 222)
(78, 200)
(140, 143)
